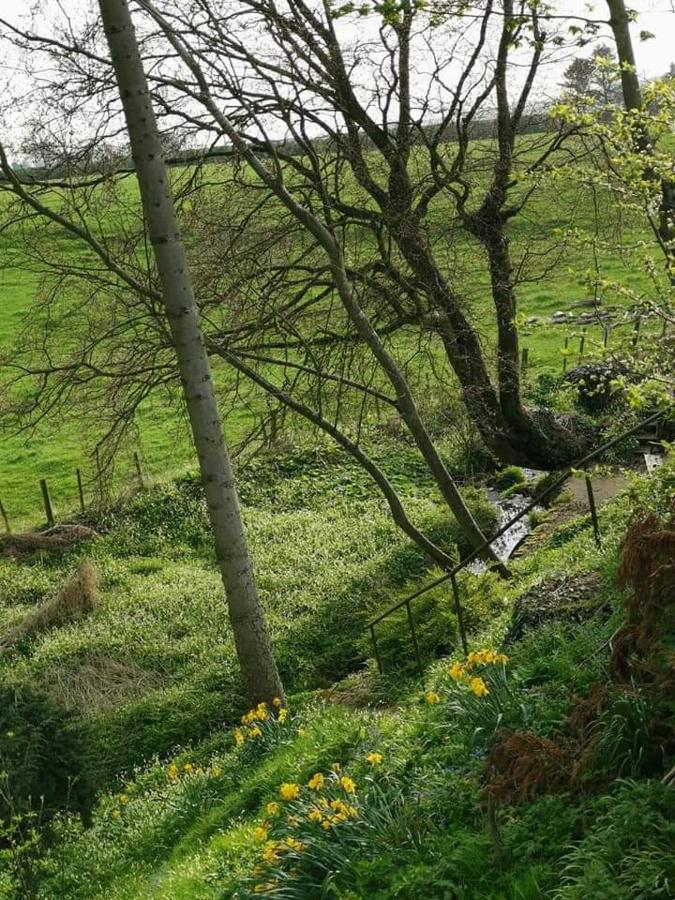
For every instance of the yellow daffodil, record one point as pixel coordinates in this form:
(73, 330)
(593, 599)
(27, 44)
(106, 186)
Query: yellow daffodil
(216, 771)
(272, 808)
(239, 738)
(347, 784)
(375, 759)
(271, 853)
(283, 715)
(431, 697)
(276, 702)
(294, 844)
(316, 782)
(456, 671)
(254, 732)
(172, 772)
(289, 791)
(478, 687)
(314, 815)
(335, 767)
(260, 833)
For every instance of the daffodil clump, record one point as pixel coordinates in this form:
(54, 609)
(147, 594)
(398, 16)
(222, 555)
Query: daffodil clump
(175, 773)
(465, 674)
(303, 816)
(483, 697)
(260, 723)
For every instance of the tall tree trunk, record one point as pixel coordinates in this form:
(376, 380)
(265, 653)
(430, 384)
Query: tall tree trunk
(632, 99)
(252, 643)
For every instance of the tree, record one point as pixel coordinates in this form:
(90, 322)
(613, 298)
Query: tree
(246, 615)
(404, 401)
(594, 77)
(371, 158)
(619, 22)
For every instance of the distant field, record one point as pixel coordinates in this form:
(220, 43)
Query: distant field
(56, 450)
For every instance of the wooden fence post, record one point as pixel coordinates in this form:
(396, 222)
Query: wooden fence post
(139, 471)
(594, 512)
(80, 489)
(460, 616)
(582, 341)
(3, 513)
(524, 360)
(565, 348)
(46, 499)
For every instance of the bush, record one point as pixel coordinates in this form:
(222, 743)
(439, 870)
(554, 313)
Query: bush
(509, 477)
(43, 755)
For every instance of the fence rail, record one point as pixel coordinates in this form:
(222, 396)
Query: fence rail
(452, 574)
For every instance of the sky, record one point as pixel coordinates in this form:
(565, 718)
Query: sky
(654, 57)
(656, 16)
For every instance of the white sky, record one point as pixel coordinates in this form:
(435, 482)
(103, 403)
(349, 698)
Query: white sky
(653, 57)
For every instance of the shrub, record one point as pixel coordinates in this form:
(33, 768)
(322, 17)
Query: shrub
(509, 477)
(43, 755)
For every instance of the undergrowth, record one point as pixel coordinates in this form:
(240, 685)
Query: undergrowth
(522, 772)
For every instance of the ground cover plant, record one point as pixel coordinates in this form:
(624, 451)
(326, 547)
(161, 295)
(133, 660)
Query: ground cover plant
(369, 788)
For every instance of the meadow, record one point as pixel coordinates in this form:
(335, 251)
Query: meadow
(541, 236)
(138, 705)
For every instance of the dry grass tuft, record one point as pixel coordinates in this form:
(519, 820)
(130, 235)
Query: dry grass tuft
(77, 598)
(100, 684)
(55, 539)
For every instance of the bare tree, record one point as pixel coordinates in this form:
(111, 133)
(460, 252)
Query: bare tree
(374, 160)
(246, 615)
(365, 332)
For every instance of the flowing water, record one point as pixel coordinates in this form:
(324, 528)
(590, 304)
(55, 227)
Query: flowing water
(508, 508)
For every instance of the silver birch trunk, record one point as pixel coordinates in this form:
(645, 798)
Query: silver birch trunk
(251, 638)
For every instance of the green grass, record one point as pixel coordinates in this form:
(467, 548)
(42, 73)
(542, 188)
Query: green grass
(327, 558)
(57, 448)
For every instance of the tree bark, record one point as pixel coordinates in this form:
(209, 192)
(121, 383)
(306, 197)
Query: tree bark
(632, 99)
(251, 638)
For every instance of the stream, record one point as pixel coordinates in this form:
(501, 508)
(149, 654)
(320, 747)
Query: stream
(508, 508)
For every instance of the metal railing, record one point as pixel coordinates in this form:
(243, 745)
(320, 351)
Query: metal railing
(452, 574)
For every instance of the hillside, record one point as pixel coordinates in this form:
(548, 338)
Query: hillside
(564, 236)
(368, 786)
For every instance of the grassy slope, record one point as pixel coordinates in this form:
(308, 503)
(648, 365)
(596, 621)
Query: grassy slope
(326, 558)
(163, 440)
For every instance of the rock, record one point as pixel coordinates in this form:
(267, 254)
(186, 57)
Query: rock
(590, 302)
(563, 599)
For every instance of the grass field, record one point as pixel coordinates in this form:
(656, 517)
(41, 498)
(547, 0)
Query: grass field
(57, 448)
(142, 697)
